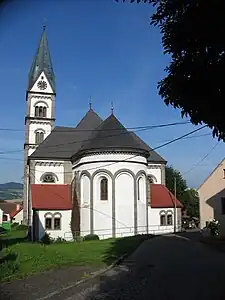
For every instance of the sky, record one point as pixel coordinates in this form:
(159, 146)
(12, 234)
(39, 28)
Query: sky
(103, 49)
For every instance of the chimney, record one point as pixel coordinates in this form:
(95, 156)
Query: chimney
(17, 207)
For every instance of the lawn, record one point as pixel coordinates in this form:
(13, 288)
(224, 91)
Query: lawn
(22, 259)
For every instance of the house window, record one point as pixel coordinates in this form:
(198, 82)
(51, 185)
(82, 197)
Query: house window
(48, 178)
(162, 220)
(48, 223)
(169, 220)
(39, 137)
(223, 205)
(104, 189)
(57, 223)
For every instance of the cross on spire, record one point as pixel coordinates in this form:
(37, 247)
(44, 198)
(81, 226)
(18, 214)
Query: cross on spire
(112, 108)
(90, 102)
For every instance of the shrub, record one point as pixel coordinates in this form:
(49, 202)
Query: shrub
(46, 239)
(214, 227)
(59, 240)
(7, 269)
(21, 227)
(91, 237)
(14, 225)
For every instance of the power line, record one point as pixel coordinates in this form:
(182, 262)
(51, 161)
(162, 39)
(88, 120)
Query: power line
(188, 137)
(105, 137)
(68, 129)
(202, 159)
(93, 209)
(158, 147)
(165, 144)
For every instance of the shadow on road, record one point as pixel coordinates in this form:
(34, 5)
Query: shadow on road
(124, 247)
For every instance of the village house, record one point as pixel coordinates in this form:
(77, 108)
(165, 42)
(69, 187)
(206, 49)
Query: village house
(118, 179)
(212, 197)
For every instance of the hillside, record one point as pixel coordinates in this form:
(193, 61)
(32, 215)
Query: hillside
(11, 185)
(11, 190)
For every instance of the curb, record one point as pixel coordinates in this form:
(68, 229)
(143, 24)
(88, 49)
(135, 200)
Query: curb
(82, 281)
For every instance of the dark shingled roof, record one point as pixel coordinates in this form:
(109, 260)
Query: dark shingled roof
(154, 156)
(63, 142)
(91, 133)
(42, 62)
(111, 134)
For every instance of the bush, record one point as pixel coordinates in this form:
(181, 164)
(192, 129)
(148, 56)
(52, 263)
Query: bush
(7, 269)
(46, 239)
(214, 227)
(59, 240)
(21, 227)
(14, 225)
(91, 237)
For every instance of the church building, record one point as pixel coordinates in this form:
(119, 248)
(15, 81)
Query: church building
(116, 179)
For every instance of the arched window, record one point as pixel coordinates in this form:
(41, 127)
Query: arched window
(53, 222)
(40, 111)
(104, 189)
(162, 220)
(138, 188)
(39, 137)
(44, 111)
(36, 111)
(57, 221)
(169, 219)
(48, 178)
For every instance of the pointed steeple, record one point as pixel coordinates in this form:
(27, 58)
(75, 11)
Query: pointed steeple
(42, 63)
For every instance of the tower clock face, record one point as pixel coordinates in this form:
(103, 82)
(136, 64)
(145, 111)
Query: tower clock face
(42, 85)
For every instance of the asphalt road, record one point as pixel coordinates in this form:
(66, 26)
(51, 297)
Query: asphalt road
(164, 268)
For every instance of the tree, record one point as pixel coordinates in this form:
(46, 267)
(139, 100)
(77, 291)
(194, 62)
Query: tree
(188, 197)
(181, 184)
(190, 200)
(193, 35)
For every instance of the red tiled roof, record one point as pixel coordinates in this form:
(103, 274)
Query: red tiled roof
(51, 196)
(15, 212)
(161, 197)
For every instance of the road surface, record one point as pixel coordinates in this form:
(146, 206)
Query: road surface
(164, 268)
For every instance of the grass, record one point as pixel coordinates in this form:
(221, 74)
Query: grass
(23, 259)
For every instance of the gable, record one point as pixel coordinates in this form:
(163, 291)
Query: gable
(42, 85)
(214, 183)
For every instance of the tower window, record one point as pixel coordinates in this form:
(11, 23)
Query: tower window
(40, 111)
(39, 137)
(104, 189)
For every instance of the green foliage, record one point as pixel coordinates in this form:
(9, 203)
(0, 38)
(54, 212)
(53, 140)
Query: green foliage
(75, 214)
(8, 268)
(192, 34)
(190, 199)
(46, 239)
(21, 227)
(14, 225)
(181, 184)
(91, 237)
(214, 227)
(59, 240)
(31, 258)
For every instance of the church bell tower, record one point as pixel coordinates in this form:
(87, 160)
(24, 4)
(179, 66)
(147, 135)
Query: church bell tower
(40, 112)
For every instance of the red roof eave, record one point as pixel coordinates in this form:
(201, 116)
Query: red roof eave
(161, 197)
(51, 196)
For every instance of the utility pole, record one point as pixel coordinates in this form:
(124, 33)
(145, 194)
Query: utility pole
(175, 204)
